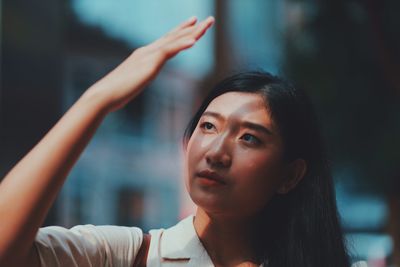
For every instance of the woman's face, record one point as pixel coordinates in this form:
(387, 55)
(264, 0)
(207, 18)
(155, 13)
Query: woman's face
(234, 156)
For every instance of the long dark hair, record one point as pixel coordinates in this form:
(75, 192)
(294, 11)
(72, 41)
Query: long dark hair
(300, 228)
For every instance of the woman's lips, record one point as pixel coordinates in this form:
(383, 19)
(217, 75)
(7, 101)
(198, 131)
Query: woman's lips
(211, 178)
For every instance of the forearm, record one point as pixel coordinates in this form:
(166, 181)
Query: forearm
(29, 189)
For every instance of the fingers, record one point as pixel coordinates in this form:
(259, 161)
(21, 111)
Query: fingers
(194, 31)
(203, 27)
(182, 37)
(190, 35)
(191, 21)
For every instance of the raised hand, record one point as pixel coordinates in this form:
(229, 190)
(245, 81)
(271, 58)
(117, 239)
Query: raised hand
(131, 76)
(30, 188)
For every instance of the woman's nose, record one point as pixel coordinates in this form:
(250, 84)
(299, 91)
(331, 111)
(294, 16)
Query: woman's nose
(219, 153)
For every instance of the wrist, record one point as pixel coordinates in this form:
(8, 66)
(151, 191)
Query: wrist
(97, 100)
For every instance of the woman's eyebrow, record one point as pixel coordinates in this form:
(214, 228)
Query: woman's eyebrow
(257, 127)
(247, 124)
(212, 114)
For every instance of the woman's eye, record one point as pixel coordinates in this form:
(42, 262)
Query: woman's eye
(207, 126)
(251, 139)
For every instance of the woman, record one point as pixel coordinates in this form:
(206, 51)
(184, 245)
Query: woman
(255, 169)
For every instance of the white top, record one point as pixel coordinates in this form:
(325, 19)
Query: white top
(88, 245)
(117, 246)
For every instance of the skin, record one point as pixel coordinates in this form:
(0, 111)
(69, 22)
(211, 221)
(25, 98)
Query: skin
(30, 188)
(250, 162)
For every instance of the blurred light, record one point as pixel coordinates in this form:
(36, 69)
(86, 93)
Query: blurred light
(363, 212)
(359, 212)
(370, 246)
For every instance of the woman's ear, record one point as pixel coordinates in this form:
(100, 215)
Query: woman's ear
(297, 170)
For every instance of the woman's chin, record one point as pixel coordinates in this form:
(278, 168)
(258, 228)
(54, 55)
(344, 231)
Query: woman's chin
(211, 203)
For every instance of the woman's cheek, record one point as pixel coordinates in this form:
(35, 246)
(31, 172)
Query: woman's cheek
(195, 152)
(261, 172)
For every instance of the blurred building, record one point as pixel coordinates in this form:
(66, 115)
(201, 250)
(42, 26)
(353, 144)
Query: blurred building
(333, 48)
(31, 95)
(131, 172)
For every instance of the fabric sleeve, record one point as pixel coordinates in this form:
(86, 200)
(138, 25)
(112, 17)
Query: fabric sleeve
(88, 245)
(360, 264)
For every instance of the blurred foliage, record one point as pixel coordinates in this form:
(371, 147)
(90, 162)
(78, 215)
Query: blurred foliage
(346, 54)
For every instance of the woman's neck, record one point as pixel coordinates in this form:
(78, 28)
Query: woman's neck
(229, 241)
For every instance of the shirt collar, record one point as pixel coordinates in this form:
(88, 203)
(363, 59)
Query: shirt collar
(181, 242)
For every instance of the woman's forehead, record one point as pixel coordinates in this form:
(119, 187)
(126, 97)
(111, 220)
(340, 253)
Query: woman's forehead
(247, 106)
